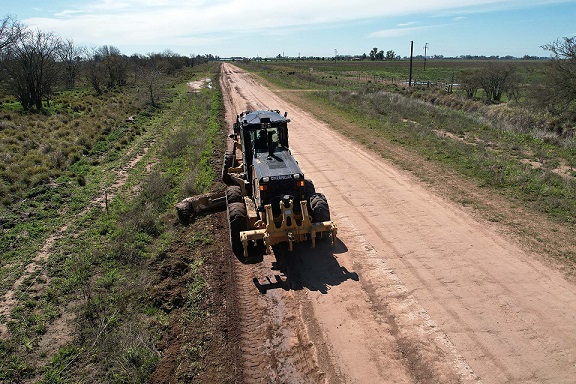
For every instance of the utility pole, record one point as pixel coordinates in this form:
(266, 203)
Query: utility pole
(425, 49)
(411, 54)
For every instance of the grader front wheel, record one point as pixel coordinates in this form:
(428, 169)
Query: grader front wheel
(319, 208)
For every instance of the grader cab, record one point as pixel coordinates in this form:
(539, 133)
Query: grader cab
(268, 199)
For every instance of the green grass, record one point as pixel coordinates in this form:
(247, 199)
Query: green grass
(96, 268)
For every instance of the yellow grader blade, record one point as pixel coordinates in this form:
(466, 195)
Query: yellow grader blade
(196, 205)
(287, 227)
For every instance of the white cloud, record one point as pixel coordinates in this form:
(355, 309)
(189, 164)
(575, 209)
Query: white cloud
(403, 25)
(395, 32)
(176, 22)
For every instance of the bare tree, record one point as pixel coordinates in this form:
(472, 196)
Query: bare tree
(116, 65)
(71, 57)
(31, 64)
(470, 82)
(563, 49)
(96, 71)
(10, 31)
(151, 77)
(497, 79)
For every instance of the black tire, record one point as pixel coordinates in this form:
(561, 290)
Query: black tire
(237, 219)
(228, 160)
(309, 190)
(234, 194)
(319, 208)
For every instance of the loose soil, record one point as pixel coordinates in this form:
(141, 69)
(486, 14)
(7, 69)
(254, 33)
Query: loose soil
(417, 289)
(200, 341)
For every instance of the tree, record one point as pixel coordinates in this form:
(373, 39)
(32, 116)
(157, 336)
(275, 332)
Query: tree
(496, 79)
(152, 72)
(470, 82)
(71, 57)
(31, 63)
(107, 67)
(373, 53)
(563, 49)
(10, 31)
(96, 71)
(390, 55)
(380, 55)
(558, 92)
(116, 65)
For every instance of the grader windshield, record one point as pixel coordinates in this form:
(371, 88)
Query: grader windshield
(265, 140)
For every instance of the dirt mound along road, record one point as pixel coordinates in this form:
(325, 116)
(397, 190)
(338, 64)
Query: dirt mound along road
(416, 290)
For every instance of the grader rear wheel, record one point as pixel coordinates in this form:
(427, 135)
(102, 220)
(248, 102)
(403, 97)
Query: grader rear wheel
(234, 194)
(237, 218)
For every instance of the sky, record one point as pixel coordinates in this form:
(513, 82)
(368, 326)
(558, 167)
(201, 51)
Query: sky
(251, 28)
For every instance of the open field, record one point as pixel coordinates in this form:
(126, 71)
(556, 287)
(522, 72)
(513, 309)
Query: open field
(328, 73)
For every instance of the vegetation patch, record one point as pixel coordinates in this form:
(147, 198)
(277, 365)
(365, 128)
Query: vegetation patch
(122, 270)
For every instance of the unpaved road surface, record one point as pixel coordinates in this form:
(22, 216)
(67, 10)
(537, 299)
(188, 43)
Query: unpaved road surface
(415, 290)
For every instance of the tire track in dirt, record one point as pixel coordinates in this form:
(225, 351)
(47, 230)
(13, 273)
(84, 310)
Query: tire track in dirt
(530, 319)
(275, 346)
(407, 300)
(410, 217)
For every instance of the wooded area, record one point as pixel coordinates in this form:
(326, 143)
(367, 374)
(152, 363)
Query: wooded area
(36, 64)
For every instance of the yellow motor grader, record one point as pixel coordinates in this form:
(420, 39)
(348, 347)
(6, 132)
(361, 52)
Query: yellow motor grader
(267, 197)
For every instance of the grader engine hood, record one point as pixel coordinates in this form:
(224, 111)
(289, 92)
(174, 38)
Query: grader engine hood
(278, 166)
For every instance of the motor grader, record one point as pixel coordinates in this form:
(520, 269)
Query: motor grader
(268, 199)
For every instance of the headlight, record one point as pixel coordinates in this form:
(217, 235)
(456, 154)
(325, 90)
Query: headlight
(265, 179)
(296, 175)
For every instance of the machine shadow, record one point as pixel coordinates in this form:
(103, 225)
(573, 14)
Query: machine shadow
(316, 269)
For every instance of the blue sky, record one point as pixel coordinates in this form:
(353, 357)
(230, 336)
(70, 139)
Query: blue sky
(304, 27)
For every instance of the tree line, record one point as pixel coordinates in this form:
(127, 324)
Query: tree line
(556, 92)
(35, 64)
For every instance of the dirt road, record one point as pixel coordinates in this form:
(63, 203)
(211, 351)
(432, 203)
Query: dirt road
(415, 290)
